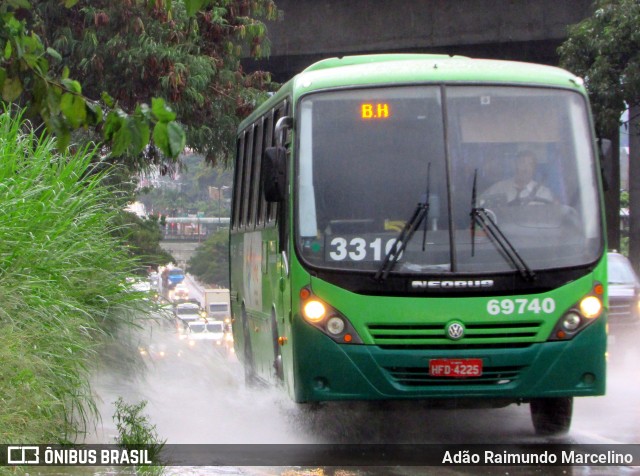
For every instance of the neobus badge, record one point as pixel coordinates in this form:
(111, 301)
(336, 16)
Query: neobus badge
(458, 284)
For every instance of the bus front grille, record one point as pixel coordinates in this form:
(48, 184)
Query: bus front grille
(419, 376)
(427, 336)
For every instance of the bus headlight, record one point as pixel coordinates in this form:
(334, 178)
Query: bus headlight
(327, 319)
(590, 307)
(571, 321)
(579, 316)
(314, 311)
(335, 325)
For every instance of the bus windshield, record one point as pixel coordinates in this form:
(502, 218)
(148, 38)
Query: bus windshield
(522, 155)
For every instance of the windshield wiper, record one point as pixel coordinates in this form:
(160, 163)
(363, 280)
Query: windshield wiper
(420, 215)
(479, 216)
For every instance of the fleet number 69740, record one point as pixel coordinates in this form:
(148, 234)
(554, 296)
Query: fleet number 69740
(521, 306)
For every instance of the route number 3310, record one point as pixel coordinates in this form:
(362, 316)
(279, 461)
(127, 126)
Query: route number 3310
(360, 249)
(521, 306)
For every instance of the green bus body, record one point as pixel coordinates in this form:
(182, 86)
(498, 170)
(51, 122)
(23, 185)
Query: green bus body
(398, 323)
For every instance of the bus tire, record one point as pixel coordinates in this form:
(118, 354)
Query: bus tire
(250, 378)
(551, 416)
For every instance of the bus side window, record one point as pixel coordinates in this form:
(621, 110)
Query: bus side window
(246, 178)
(267, 141)
(271, 211)
(280, 112)
(256, 191)
(237, 193)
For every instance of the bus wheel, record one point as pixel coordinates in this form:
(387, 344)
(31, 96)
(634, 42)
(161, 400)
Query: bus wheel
(551, 416)
(249, 369)
(277, 350)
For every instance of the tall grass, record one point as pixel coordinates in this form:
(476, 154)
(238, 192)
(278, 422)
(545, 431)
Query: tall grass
(61, 275)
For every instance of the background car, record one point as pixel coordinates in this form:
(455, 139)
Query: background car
(188, 311)
(181, 291)
(154, 279)
(624, 290)
(175, 276)
(204, 329)
(136, 284)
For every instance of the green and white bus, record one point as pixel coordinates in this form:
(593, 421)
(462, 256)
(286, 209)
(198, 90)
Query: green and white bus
(422, 227)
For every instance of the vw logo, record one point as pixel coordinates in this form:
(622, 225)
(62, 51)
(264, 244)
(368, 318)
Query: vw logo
(455, 330)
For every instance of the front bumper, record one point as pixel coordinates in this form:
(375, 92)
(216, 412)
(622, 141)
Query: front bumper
(328, 371)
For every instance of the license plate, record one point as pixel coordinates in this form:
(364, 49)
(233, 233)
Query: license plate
(459, 368)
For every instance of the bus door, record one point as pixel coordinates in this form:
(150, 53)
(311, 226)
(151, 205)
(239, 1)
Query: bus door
(276, 163)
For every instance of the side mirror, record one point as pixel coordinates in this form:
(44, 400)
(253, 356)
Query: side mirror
(606, 162)
(273, 176)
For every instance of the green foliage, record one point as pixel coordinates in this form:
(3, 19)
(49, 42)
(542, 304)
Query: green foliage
(624, 245)
(188, 53)
(605, 50)
(210, 263)
(28, 76)
(94, 66)
(193, 193)
(143, 240)
(61, 275)
(134, 428)
(624, 232)
(624, 199)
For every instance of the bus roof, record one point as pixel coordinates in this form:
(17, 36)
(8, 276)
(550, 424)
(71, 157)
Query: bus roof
(415, 69)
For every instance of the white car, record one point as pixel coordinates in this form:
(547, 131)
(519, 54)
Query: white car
(141, 286)
(180, 292)
(204, 329)
(188, 311)
(154, 280)
(137, 285)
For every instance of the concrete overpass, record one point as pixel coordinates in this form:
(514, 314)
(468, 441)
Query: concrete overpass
(524, 30)
(192, 228)
(182, 251)
(181, 236)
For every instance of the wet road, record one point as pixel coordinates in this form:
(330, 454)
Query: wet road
(197, 395)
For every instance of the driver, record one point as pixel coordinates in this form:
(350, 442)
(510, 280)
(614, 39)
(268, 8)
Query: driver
(521, 188)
